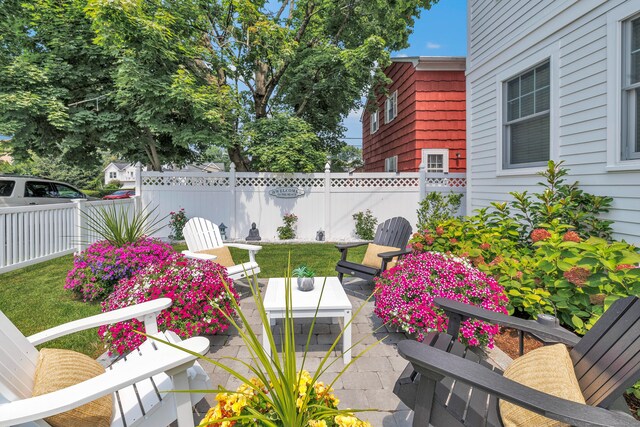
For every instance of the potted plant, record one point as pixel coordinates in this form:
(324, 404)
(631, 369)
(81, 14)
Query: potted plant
(305, 277)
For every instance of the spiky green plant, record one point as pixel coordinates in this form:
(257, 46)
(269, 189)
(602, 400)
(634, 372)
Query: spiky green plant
(119, 226)
(278, 373)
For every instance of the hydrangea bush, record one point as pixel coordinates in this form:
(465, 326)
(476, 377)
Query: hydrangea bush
(97, 269)
(314, 396)
(196, 288)
(405, 293)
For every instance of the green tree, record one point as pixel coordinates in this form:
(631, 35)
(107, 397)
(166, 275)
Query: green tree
(308, 59)
(61, 94)
(348, 159)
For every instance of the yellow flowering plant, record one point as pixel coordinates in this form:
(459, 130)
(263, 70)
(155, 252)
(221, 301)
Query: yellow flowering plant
(279, 393)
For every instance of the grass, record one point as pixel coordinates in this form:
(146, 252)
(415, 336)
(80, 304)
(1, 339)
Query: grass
(34, 298)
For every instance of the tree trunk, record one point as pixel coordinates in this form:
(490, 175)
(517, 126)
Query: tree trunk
(260, 97)
(235, 155)
(152, 154)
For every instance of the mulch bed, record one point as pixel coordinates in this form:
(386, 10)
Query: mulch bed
(508, 342)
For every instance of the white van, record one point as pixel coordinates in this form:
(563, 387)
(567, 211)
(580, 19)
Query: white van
(19, 190)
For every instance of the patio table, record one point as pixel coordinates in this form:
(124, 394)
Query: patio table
(334, 304)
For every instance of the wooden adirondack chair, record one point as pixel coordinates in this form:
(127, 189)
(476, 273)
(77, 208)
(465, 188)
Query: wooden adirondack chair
(139, 382)
(448, 385)
(394, 232)
(201, 234)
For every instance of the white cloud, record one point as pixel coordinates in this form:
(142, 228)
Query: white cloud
(432, 45)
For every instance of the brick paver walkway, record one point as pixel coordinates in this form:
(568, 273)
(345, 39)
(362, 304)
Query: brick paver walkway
(368, 383)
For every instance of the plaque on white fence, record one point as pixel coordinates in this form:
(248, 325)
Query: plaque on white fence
(286, 192)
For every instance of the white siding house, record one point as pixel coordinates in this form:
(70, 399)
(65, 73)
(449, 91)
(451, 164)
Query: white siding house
(555, 79)
(123, 172)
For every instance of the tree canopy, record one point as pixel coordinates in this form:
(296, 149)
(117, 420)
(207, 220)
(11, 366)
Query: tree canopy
(161, 81)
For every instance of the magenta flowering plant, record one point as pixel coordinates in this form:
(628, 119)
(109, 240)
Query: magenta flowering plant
(199, 300)
(97, 269)
(405, 293)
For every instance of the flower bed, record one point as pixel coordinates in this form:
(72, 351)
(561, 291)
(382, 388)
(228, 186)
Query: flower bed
(316, 397)
(198, 293)
(97, 269)
(405, 293)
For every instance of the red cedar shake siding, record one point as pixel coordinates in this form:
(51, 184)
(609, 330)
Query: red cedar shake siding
(431, 114)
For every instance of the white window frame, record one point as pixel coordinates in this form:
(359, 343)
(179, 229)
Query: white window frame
(391, 103)
(113, 175)
(551, 54)
(630, 91)
(391, 164)
(444, 152)
(616, 20)
(374, 122)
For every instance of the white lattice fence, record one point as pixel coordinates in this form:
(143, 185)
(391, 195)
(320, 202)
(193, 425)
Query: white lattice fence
(322, 201)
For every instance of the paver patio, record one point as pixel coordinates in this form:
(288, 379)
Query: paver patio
(368, 383)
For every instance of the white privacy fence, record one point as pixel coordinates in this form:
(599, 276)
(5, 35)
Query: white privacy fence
(31, 234)
(322, 201)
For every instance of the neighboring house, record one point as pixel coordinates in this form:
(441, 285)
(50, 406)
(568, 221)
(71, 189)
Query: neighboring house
(126, 172)
(555, 80)
(121, 171)
(422, 119)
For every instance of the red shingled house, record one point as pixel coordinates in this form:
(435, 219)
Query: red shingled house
(421, 119)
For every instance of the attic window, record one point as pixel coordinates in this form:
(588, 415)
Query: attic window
(391, 107)
(375, 123)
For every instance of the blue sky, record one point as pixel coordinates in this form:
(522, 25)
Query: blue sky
(441, 31)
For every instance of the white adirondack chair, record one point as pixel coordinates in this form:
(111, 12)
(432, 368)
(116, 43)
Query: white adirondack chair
(139, 382)
(201, 234)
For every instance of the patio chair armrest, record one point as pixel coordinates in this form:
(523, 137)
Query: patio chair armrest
(139, 311)
(393, 254)
(246, 247)
(437, 364)
(167, 359)
(464, 311)
(194, 255)
(344, 246)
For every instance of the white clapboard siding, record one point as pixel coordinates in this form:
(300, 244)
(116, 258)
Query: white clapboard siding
(32, 234)
(505, 37)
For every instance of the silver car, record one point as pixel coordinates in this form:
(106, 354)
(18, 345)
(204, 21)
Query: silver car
(17, 190)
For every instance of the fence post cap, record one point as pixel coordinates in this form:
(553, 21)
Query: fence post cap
(327, 167)
(232, 167)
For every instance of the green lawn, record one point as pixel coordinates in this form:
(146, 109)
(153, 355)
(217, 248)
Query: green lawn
(34, 298)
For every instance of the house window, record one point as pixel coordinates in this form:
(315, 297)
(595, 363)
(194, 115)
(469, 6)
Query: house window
(436, 160)
(375, 124)
(526, 122)
(391, 107)
(112, 175)
(631, 90)
(391, 164)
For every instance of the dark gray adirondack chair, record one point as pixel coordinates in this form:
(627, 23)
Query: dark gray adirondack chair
(464, 390)
(393, 232)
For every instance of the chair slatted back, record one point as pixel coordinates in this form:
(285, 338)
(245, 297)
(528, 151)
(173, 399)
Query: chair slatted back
(393, 232)
(607, 359)
(18, 358)
(201, 234)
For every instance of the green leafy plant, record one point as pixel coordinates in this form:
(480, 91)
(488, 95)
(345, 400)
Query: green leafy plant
(272, 397)
(119, 226)
(288, 230)
(365, 224)
(437, 207)
(177, 222)
(303, 271)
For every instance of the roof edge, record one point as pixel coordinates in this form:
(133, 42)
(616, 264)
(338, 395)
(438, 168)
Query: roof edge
(434, 63)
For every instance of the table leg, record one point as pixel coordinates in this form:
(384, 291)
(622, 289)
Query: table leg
(346, 338)
(265, 340)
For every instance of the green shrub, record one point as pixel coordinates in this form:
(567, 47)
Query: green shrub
(288, 230)
(437, 207)
(365, 224)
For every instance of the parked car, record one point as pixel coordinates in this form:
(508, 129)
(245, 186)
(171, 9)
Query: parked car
(120, 194)
(20, 190)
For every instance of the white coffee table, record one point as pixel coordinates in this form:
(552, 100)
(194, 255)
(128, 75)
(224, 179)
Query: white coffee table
(334, 304)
